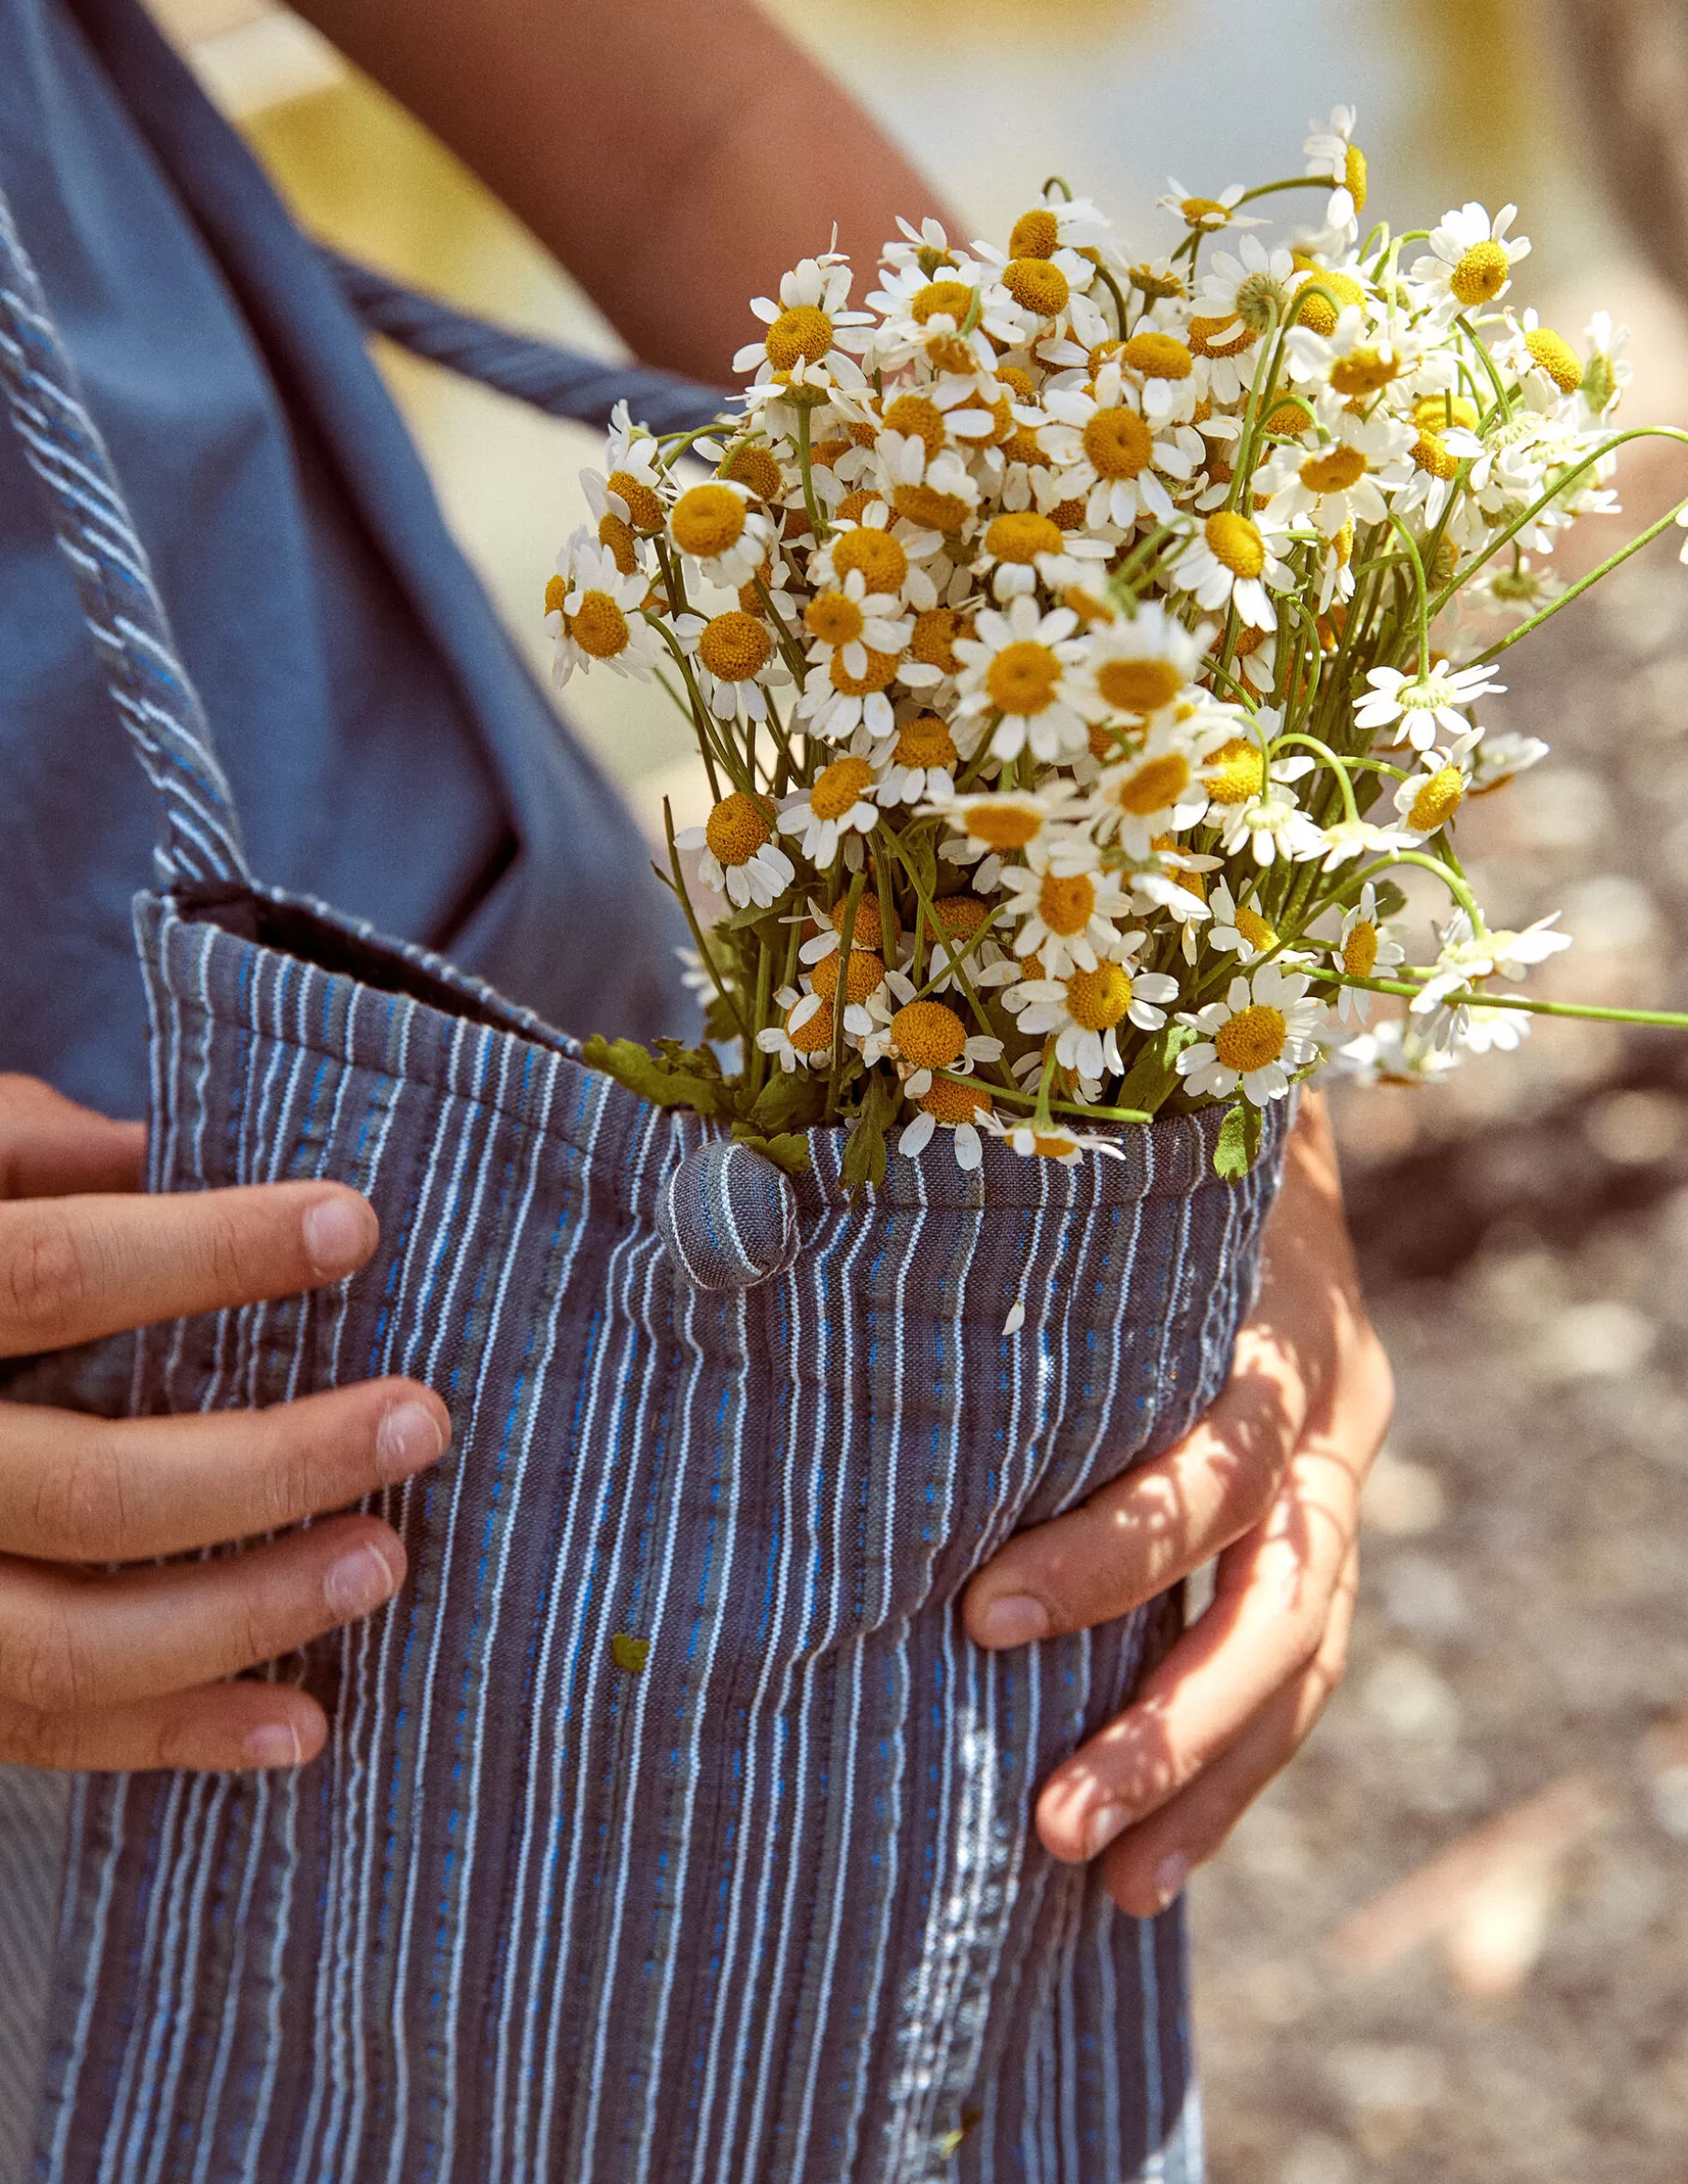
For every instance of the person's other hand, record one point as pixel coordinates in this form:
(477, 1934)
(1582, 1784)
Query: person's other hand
(1269, 1481)
(124, 1669)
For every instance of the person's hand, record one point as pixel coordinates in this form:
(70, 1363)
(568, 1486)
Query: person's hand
(1269, 1481)
(121, 1670)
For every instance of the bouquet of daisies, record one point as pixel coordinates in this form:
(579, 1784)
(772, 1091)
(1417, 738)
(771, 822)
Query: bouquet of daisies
(1076, 646)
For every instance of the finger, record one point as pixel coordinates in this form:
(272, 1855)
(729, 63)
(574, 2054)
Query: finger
(1266, 1621)
(1149, 1864)
(223, 1727)
(1147, 1530)
(50, 1145)
(82, 1489)
(71, 1268)
(70, 1643)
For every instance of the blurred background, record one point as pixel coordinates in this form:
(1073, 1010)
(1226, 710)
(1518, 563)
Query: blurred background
(1453, 1942)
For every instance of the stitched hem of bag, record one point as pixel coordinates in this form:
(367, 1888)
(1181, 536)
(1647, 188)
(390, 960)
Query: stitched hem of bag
(218, 974)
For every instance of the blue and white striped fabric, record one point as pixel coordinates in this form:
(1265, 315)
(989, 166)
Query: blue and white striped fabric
(670, 1830)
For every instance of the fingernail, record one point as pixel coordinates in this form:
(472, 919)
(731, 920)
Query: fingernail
(357, 1582)
(1014, 1621)
(276, 1744)
(1102, 1827)
(1170, 1875)
(337, 1232)
(407, 1439)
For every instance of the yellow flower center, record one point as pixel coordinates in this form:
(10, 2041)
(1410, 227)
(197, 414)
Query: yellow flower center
(1023, 678)
(1022, 536)
(1118, 443)
(855, 505)
(1481, 274)
(1354, 175)
(950, 1101)
(1162, 781)
(1236, 772)
(737, 828)
(834, 618)
(1556, 357)
(598, 626)
(881, 669)
(619, 537)
(1254, 928)
(803, 331)
(1359, 952)
(878, 556)
(1203, 212)
(1220, 337)
(839, 787)
(1252, 1038)
(1234, 543)
(754, 466)
(933, 642)
(1362, 372)
(1439, 412)
(1333, 472)
(928, 1034)
(1157, 286)
(1138, 686)
(1316, 312)
(926, 742)
(957, 915)
(1018, 383)
(556, 591)
(815, 1033)
(1069, 515)
(920, 419)
(1001, 823)
(867, 931)
(1431, 453)
(930, 509)
(644, 510)
(1437, 801)
(735, 646)
(1096, 1000)
(867, 973)
(1157, 356)
(1065, 905)
(707, 519)
(942, 298)
(1289, 417)
(1036, 285)
(1343, 545)
(1035, 234)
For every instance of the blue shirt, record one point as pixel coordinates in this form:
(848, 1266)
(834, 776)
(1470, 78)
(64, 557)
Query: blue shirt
(388, 749)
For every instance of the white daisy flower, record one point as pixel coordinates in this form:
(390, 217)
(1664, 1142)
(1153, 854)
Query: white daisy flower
(1109, 456)
(1465, 956)
(924, 1037)
(917, 763)
(733, 658)
(1331, 155)
(1348, 838)
(1014, 667)
(1271, 826)
(1085, 1007)
(1252, 284)
(809, 323)
(1138, 665)
(1020, 547)
(1364, 949)
(1258, 1036)
(835, 807)
(1064, 903)
(1470, 260)
(803, 1040)
(1232, 562)
(849, 622)
(888, 561)
(1428, 800)
(1208, 213)
(715, 526)
(1423, 703)
(594, 614)
(1341, 483)
(1498, 758)
(958, 1108)
(997, 822)
(1059, 1142)
(933, 491)
(636, 487)
(738, 855)
(1159, 789)
(1237, 929)
(1607, 372)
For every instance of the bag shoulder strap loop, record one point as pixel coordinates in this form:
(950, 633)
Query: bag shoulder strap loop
(157, 703)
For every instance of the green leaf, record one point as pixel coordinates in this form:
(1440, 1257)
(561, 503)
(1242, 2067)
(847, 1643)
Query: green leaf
(789, 1102)
(652, 1078)
(629, 1652)
(789, 1150)
(1239, 1142)
(1151, 1076)
(695, 1062)
(864, 1148)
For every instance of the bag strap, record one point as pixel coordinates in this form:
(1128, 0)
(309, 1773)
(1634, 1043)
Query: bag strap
(156, 701)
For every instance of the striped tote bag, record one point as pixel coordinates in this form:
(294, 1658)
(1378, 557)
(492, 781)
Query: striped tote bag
(670, 1830)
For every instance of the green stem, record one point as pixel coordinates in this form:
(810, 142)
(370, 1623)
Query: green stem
(1023, 1099)
(1644, 538)
(1423, 592)
(1337, 765)
(805, 463)
(1467, 997)
(729, 1000)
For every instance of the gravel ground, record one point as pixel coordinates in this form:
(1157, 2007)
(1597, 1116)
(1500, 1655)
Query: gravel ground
(1453, 1942)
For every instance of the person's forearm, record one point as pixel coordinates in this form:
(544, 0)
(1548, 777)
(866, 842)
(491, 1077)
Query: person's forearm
(676, 157)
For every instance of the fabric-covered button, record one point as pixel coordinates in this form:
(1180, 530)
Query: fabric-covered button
(728, 1218)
